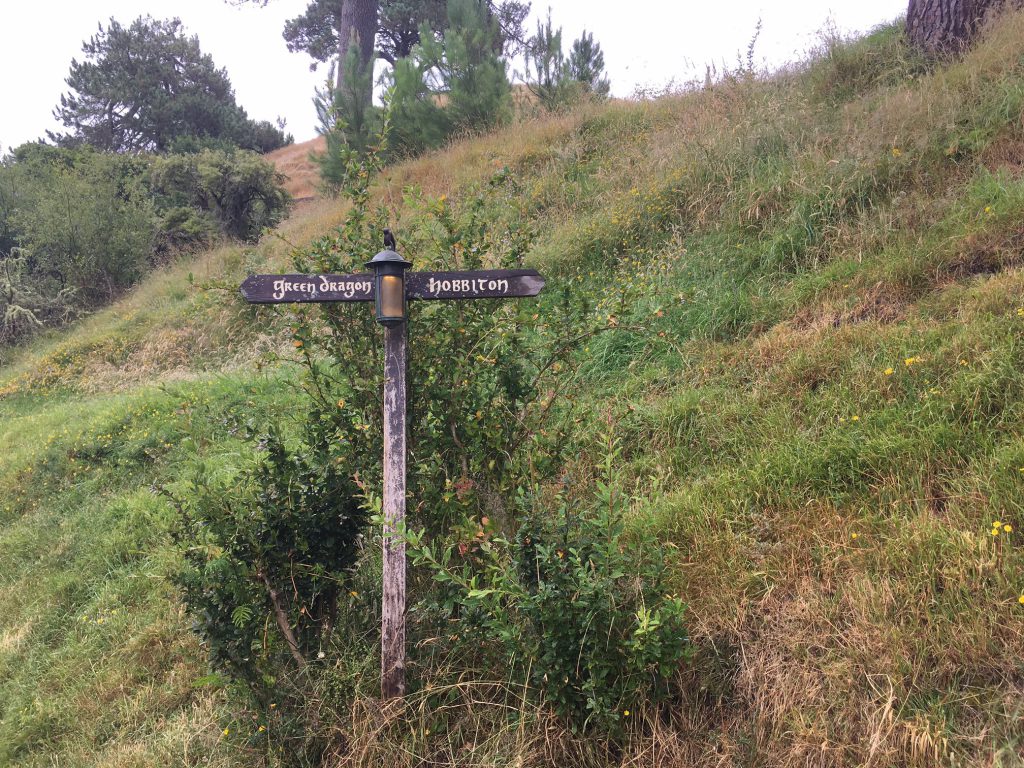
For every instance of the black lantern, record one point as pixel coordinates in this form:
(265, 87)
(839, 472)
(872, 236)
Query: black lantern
(389, 287)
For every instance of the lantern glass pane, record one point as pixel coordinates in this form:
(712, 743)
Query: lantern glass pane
(392, 296)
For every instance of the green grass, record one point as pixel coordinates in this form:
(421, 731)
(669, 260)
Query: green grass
(819, 400)
(97, 662)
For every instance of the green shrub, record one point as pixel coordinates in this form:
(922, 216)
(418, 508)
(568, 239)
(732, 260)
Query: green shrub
(26, 306)
(83, 218)
(572, 606)
(268, 546)
(88, 225)
(237, 192)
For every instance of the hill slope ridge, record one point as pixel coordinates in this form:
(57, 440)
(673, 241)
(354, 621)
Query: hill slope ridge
(821, 420)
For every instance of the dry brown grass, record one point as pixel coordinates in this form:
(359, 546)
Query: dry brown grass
(302, 178)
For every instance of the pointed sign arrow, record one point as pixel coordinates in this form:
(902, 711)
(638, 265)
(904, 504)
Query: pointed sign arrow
(478, 284)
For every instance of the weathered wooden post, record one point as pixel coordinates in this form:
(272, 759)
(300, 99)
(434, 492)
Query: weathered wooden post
(390, 287)
(389, 292)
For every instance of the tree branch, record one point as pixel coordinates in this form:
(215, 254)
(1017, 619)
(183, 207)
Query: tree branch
(282, 622)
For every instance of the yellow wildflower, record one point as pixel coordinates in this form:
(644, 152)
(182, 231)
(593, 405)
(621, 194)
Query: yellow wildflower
(896, 151)
(625, 712)
(1008, 528)
(889, 371)
(227, 731)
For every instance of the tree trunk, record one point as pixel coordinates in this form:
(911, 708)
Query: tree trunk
(357, 20)
(945, 26)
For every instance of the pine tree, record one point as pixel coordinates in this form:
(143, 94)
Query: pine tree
(146, 86)
(458, 83)
(479, 93)
(546, 66)
(586, 65)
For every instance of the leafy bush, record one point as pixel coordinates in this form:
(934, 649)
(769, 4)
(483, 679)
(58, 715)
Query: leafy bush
(216, 192)
(270, 545)
(83, 218)
(87, 225)
(26, 306)
(571, 606)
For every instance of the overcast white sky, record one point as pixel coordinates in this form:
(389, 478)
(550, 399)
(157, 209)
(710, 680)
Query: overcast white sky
(655, 42)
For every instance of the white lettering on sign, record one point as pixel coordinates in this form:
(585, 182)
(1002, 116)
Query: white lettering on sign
(347, 288)
(466, 285)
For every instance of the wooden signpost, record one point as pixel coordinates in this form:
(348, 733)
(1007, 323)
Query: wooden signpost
(390, 287)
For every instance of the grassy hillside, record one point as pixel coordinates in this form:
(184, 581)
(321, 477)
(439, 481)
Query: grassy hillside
(821, 417)
(294, 162)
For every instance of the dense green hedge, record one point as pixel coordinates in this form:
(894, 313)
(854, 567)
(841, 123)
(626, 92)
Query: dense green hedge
(85, 225)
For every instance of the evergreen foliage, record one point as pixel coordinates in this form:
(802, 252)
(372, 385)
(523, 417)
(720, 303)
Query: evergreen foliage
(473, 72)
(546, 67)
(147, 86)
(347, 122)
(418, 121)
(458, 84)
(402, 25)
(445, 86)
(586, 64)
(558, 82)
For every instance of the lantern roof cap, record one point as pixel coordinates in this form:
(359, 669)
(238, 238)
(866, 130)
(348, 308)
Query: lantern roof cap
(388, 257)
